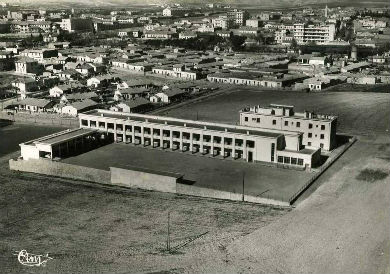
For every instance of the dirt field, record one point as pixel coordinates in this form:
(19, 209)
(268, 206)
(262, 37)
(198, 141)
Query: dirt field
(227, 175)
(361, 88)
(11, 136)
(92, 229)
(359, 113)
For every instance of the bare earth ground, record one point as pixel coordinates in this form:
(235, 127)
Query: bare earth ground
(342, 227)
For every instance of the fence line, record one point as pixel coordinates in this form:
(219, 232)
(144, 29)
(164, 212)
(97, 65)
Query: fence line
(322, 169)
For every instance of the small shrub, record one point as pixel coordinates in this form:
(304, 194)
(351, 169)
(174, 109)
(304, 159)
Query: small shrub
(371, 175)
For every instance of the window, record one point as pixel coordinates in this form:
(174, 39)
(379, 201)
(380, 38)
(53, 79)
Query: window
(84, 122)
(309, 143)
(246, 119)
(322, 136)
(321, 145)
(300, 162)
(293, 161)
(310, 125)
(250, 144)
(274, 122)
(322, 127)
(298, 124)
(272, 152)
(309, 135)
(286, 123)
(280, 159)
(258, 120)
(286, 160)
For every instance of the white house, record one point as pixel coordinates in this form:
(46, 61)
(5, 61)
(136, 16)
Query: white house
(73, 109)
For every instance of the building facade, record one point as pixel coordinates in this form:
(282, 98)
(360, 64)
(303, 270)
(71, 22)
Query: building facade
(237, 142)
(318, 131)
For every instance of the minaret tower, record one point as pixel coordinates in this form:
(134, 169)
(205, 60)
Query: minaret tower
(326, 11)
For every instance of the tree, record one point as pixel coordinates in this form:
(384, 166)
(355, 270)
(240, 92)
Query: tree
(294, 44)
(237, 41)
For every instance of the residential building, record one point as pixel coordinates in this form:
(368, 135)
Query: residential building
(135, 105)
(253, 23)
(238, 17)
(74, 108)
(320, 34)
(76, 24)
(178, 71)
(223, 22)
(168, 96)
(34, 105)
(25, 65)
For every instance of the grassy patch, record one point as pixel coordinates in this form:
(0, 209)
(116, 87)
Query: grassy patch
(372, 175)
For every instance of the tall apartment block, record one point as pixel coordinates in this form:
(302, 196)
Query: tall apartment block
(320, 34)
(238, 16)
(318, 130)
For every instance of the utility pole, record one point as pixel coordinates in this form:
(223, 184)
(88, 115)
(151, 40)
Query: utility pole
(168, 236)
(243, 186)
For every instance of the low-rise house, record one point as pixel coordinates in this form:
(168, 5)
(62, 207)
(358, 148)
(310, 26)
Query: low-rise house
(39, 54)
(25, 85)
(163, 35)
(74, 108)
(131, 65)
(168, 96)
(34, 105)
(362, 79)
(129, 93)
(187, 35)
(69, 74)
(85, 69)
(79, 96)
(224, 33)
(178, 71)
(252, 79)
(59, 90)
(309, 59)
(100, 81)
(98, 68)
(136, 105)
(247, 31)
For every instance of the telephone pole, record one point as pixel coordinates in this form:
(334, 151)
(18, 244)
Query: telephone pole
(243, 186)
(168, 235)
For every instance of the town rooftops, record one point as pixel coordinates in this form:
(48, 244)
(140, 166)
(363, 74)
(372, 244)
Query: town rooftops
(87, 103)
(34, 102)
(136, 102)
(24, 59)
(173, 92)
(70, 86)
(80, 96)
(133, 90)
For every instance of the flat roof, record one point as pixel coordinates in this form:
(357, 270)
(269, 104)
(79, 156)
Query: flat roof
(184, 123)
(62, 136)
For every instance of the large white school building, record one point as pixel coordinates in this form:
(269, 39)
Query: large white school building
(213, 139)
